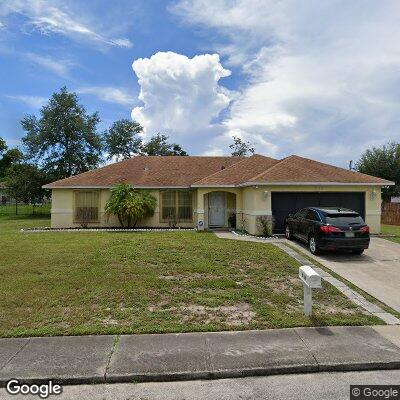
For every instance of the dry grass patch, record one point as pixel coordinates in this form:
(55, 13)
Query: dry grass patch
(239, 314)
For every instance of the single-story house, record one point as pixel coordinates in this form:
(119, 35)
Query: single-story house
(211, 192)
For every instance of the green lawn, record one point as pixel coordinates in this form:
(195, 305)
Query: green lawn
(59, 283)
(392, 230)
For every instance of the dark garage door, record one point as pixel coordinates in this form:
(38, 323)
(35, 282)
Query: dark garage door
(284, 203)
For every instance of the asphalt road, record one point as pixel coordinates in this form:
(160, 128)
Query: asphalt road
(320, 386)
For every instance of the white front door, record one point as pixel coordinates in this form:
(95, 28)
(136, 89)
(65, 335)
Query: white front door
(216, 209)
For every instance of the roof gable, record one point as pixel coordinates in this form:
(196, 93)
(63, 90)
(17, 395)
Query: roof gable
(238, 172)
(296, 169)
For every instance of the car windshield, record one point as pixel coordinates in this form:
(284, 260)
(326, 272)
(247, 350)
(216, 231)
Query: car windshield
(344, 219)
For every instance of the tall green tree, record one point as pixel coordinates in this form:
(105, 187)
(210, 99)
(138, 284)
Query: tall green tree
(383, 162)
(158, 145)
(122, 140)
(240, 147)
(24, 183)
(64, 140)
(8, 157)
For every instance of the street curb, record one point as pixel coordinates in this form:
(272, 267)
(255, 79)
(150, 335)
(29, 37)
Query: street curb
(215, 374)
(262, 371)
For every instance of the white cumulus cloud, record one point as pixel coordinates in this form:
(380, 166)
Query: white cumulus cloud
(180, 95)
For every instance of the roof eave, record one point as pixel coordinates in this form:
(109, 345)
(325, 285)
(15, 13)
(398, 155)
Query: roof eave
(50, 186)
(213, 186)
(246, 184)
(110, 186)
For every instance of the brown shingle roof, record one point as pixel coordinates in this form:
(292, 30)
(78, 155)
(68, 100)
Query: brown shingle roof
(176, 171)
(239, 172)
(150, 171)
(300, 169)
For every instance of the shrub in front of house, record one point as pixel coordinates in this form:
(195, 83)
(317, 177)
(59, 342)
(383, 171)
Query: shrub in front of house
(265, 225)
(130, 205)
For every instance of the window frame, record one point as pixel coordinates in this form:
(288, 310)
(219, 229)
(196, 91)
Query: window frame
(177, 207)
(162, 192)
(80, 191)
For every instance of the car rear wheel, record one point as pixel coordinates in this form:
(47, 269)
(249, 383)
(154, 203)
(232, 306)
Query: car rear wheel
(358, 251)
(313, 245)
(288, 233)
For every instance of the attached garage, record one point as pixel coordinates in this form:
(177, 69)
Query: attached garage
(284, 203)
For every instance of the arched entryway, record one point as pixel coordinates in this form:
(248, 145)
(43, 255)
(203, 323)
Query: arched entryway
(220, 209)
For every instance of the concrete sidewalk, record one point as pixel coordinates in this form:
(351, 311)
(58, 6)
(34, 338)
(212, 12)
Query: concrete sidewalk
(126, 358)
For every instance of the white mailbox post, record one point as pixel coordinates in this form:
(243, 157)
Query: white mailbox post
(311, 280)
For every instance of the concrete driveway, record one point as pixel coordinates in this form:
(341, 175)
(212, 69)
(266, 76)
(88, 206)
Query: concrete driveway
(377, 271)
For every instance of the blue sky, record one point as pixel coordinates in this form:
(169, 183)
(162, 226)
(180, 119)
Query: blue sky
(320, 81)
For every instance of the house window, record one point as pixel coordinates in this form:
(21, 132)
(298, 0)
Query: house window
(185, 209)
(168, 205)
(177, 205)
(86, 206)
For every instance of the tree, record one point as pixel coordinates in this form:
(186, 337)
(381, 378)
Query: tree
(122, 140)
(3, 146)
(240, 147)
(158, 146)
(130, 205)
(64, 140)
(383, 162)
(24, 183)
(9, 158)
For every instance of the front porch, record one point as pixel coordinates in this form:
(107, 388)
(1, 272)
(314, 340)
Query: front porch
(221, 209)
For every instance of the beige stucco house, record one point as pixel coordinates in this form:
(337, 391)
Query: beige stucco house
(211, 192)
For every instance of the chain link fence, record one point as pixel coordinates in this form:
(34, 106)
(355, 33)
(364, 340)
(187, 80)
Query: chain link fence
(11, 207)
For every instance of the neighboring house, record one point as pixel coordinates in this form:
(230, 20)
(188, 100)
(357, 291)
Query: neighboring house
(206, 191)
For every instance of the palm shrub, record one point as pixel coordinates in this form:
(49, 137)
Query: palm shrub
(130, 205)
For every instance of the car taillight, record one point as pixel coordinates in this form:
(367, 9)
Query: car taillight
(364, 229)
(329, 229)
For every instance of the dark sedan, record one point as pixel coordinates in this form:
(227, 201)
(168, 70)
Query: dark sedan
(328, 228)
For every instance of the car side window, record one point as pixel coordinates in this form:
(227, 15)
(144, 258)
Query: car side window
(311, 215)
(301, 214)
